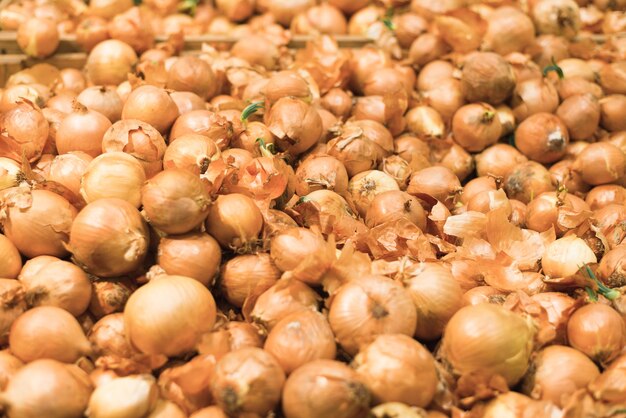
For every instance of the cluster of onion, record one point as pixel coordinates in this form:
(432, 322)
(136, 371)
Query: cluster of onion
(257, 230)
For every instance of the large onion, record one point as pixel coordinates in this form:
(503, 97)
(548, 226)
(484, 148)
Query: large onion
(23, 131)
(152, 105)
(109, 62)
(234, 220)
(154, 312)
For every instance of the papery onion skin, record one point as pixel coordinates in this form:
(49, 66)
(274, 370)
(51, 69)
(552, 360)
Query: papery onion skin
(38, 37)
(68, 169)
(598, 331)
(9, 365)
(197, 255)
(48, 332)
(153, 312)
(109, 238)
(65, 393)
(490, 339)
(133, 395)
(23, 131)
(299, 338)
(248, 380)
(325, 388)
(397, 368)
(557, 371)
(370, 306)
(13, 305)
(296, 125)
(612, 269)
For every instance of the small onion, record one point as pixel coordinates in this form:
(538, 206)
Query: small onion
(527, 180)
(109, 62)
(234, 220)
(600, 163)
(104, 100)
(9, 365)
(281, 299)
(49, 281)
(191, 152)
(487, 77)
(365, 186)
(558, 17)
(90, 32)
(542, 137)
(82, 130)
(38, 222)
(324, 388)
(598, 331)
(438, 182)
(47, 388)
(249, 380)
(533, 96)
(394, 204)
(321, 172)
(175, 201)
(323, 18)
(369, 306)
(424, 121)
(230, 337)
(243, 274)
(187, 101)
(489, 339)
(565, 256)
(601, 196)
(109, 238)
(113, 175)
(611, 269)
(194, 75)
(110, 296)
(611, 112)
(152, 105)
(498, 160)
(204, 122)
(476, 126)
(124, 397)
(509, 30)
(23, 132)
(581, 116)
(397, 368)
(300, 338)
(153, 314)
(48, 332)
(296, 125)
(68, 169)
(38, 37)
(196, 255)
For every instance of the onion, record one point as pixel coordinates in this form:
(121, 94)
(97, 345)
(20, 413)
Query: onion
(38, 37)
(23, 132)
(408, 26)
(611, 270)
(49, 281)
(610, 220)
(527, 180)
(397, 368)
(425, 122)
(509, 30)
(48, 332)
(563, 174)
(109, 62)
(576, 85)
(187, 101)
(90, 31)
(259, 50)
(10, 261)
(236, 11)
(124, 397)
(110, 296)
(601, 196)
(138, 139)
(191, 152)
(321, 172)
(245, 274)
(487, 77)
(322, 18)
(47, 388)
(104, 100)
(581, 116)
(436, 295)
(296, 125)
(542, 137)
(565, 256)
(109, 238)
(498, 160)
(38, 222)
(11, 173)
(338, 102)
(61, 102)
(133, 27)
(230, 337)
(67, 170)
(175, 201)
(300, 338)
(600, 163)
(14, 95)
(195, 255)
(611, 112)
(365, 186)
(234, 221)
(284, 11)
(438, 182)
(9, 365)
(394, 204)
(113, 175)
(369, 306)
(534, 96)
(556, 372)
(476, 126)
(613, 78)
(325, 388)
(287, 84)
(248, 380)
(13, 305)
(82, 130)
(194, 75)
(426, 48)
(152, 105)
(204, 122)
(108, 8)
(598, 331)
(153, 314)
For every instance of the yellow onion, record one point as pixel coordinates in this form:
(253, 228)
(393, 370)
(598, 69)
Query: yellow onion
(425, 122)
(600, 163)
(396, 368)
(581, 115)
(556, 372)
(394, 204)
(509, 30)
(399, 409)
(565, 256)
(436, 296)
(82, 130)
(234, 220)
(109, 62)
(558, 17)
(611, 112)
(47, 388)
(196, 255)
(48, 332)
(245, 274)
(609, 386)
(258, 50)
(321, 172)
(369, 306)
(562, 173)
(187, 101)
(104, 100)
(236, 11)
(124, 397)
(153, 313)
(612, 78)
(175, 201)
(598, 331)
(109, 238)
(9, 365)
(438, 182)
(287, 84)
(10, 261)
(426, 48)
(489, 339)
(113, 175)
(38, 37)
(38, 222)
(533, 96)
(476, 126)
(300, 338)
(49, 281)
(152, 105)
(527, 180)
(601, 196)
(90, 31)
(10, 173)
(68, 169)
(230, 337)
(365, 186)
(191, 152)
(325, 388)
(109, 296)
(542, 137)
(166, 409)
(23, 131)
(513, 404)
(611, 269)
(249, 380)
(138, 139)
(13, 305)
(204, 122)
(133, 27)
(296, 125)
(192, 74)
(487, 77)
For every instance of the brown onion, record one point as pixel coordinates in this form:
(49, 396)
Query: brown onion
(113, 175)
(187, 101)
(153, 313)
(323, 18)
(49, 281)
(13, 305)
(528, 180)
(191, 152)
(91, 31)
(234, 220)
(248, 380)
(426, 48)
(393, 204)
(558, 17)
(9, 365)
(133, 27)
(109, 238)
(194, 75)
(509, 30)
(38, 222)
(296, 125)
(533, 96)
(321, 172)
(613, 78)
(600, 163)
(243, 275)
(204, 122)
(109, 62)
(365, 186)
(82, 130)
(23, 132)
(48, 332)
(152, 105)
(68, 169)
(563, 173)
(124, 396)
(104, 100)
(110, 296)
(425, 122)
(476, 126)
(196, 255)
(10, 261)
(611, 110)
(581, 115)
(397, 368)
(487, 77)
(438, 182)
(38, 37)
(286, 296)
(498, 160)
(542, 137)
(325, 388)
(259, 50)
(601, 196)
(175, 201)
(598, 331)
